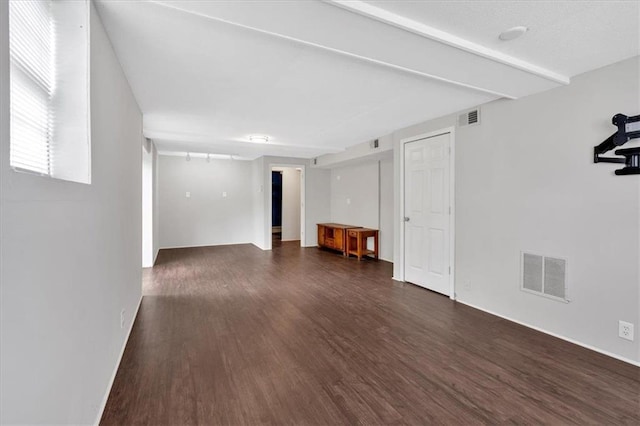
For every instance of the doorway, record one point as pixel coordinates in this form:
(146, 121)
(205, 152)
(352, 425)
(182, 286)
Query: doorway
(428, 212)
(286, 205)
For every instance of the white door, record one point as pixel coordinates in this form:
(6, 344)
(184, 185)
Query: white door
(427, 213)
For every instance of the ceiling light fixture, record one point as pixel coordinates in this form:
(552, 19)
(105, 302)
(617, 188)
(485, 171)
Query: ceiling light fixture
(259, 139)
(513, 33)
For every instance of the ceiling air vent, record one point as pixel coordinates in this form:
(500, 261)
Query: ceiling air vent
(469, 118)
(545, 276)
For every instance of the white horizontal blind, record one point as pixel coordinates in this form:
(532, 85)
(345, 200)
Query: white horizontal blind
(32, 48)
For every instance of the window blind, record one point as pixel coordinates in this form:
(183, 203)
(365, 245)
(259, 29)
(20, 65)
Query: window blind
(32, 47)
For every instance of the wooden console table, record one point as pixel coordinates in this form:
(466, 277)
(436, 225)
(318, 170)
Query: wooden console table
(357, 242)
(334, 236)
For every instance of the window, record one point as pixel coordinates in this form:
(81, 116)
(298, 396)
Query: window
(49, 74)
(32, 50)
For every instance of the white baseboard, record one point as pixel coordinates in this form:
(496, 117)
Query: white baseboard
(115, 370)
(205, 245)
(559, 336)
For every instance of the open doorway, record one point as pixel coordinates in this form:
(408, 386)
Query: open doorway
(286, 205)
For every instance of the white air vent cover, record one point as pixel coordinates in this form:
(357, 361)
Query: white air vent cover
(469, 118)
(544, 275)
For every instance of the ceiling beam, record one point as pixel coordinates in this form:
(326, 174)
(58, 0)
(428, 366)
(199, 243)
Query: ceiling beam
(404, 69)
(390, 18)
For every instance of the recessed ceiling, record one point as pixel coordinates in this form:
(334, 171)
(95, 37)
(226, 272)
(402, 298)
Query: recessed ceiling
(318, 77)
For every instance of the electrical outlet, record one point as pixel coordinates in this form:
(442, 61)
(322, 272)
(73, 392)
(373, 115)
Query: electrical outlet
(348, 201)
(122, 318)
(187, 194)
(625, 330)
(224, 194)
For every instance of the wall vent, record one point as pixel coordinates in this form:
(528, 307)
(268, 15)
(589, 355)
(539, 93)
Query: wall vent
(469, 118)
(374, 144)
(544, 275)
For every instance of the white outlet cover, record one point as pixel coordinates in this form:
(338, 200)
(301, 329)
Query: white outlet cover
(625, 330)
(224, 194)
(187, 194)
(348, 200)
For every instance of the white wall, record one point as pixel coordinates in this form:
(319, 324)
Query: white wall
(245, 215)
(386, 209)
(362, 195)
(354, 195)
(207, 217)
(258, 189)
(525, 180)
(147, 205)
(71, 256)
(290, 203)
(156, 204)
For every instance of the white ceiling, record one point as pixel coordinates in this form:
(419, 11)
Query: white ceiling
(318, 77)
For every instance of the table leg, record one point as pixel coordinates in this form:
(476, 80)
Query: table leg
(347, 245)
(375, 245)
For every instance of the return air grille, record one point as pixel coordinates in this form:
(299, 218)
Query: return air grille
(543, 275)
(469, 118)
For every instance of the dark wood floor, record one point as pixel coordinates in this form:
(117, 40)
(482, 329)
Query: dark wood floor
(234, 335)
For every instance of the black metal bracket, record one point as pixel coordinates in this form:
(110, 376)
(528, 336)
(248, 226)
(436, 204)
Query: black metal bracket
(630, 157)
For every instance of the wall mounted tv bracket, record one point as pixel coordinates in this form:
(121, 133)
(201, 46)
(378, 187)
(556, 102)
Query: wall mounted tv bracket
(628, 128)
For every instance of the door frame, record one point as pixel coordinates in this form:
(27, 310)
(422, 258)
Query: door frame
(452, 202)
(269, 202)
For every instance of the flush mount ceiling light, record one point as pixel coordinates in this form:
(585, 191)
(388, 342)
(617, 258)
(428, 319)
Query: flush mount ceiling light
(512, 33)
(259, 138)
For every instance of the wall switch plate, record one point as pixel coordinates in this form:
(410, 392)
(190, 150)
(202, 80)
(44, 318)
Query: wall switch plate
(625, 330)
(348, 200)
(187, 194)
(122, 318)
(224, 194)
(338, 177)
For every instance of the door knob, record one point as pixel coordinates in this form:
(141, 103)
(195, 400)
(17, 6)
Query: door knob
(406, 219)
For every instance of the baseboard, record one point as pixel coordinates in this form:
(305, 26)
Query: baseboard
(205, 245)
(259, 246)
(559, 336)
(155, 257)
(115, 370)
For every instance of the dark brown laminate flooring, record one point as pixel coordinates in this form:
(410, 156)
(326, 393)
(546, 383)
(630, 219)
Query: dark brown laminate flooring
(234, 335)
